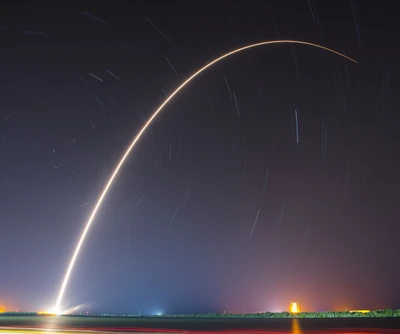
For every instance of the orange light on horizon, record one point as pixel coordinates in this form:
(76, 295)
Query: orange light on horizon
(294, 307)
(2, 309)
(360, 311)
(45, 313)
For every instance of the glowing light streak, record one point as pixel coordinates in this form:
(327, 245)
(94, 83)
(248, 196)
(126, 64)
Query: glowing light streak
(170, 64)
(138, 136)
(227, 85)
(236, 102)
(254, 225)
(113, 75)
(297, 127)
(95, 77)
(280, 217)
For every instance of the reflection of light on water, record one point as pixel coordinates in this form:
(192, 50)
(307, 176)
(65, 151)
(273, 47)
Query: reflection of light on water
(296, 326)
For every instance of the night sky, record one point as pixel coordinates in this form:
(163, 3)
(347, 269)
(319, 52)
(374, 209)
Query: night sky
(227, 203)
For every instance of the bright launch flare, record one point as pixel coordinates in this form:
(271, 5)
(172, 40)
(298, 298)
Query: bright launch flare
(146, 125)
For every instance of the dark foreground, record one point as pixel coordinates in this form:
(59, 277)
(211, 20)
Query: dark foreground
(80, 324)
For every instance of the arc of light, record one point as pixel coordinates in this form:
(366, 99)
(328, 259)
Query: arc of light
(137, 137)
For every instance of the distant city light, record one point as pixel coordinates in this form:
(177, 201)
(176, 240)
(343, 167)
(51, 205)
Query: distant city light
(276, 310)
(360, 311)
(45, 313)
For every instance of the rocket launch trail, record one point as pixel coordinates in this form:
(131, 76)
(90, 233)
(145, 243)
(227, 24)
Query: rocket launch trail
(114, 174)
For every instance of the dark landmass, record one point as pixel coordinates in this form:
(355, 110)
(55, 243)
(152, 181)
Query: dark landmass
(260, 315)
